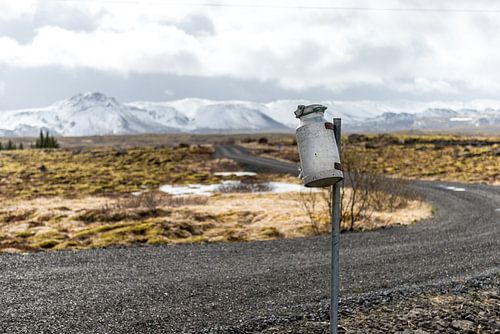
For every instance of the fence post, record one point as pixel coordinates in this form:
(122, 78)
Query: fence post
(335, 221)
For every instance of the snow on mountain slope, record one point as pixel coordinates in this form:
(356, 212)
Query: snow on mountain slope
(202, 115)
(96, 114)
(84, 115)
(430, 119)
(233, 117)
(161, 113)
(281, 110)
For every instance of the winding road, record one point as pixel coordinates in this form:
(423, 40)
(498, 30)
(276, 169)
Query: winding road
(239, 287)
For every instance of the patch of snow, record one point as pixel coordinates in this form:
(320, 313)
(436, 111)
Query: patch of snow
(192, 189)
(284, 187)
(235, 174)
(209, 189)
(460, 119)
(452, 188)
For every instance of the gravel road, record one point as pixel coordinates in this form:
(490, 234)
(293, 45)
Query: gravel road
(249, 287)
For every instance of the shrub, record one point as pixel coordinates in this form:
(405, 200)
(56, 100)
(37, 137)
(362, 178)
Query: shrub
(248, 186)
(263, 140)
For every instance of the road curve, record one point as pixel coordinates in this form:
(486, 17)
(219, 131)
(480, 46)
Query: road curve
(223, 287)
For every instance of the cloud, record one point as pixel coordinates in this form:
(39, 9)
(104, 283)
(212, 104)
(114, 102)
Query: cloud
(23, 27)
(41, 86)
(2, 88)
(196, 24)
(422, 85)
(398, 54)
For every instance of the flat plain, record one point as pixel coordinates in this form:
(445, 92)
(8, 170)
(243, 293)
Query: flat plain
(104, 191)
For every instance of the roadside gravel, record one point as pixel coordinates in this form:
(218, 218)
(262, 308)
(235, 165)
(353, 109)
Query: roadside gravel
(472, 306)
(264, 286)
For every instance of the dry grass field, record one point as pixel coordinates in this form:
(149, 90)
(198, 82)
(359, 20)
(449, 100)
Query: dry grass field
(104, 193)
(432, 157)
(100, 171)
(156, 218)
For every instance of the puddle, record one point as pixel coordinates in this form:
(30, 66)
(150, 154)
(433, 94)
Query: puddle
(233, 187)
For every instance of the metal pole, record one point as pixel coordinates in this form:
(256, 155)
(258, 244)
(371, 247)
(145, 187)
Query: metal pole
(335, 218)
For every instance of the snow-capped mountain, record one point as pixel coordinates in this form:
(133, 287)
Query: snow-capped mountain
(430, 119)
(234, 117)
(83, 115)
(96, 114)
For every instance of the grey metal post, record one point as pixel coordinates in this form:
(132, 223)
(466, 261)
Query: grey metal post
(335, 217)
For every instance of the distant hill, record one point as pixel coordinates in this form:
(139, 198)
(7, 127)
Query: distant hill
(94, 113)
(431, 119)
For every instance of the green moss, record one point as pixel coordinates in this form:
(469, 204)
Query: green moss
(111, 239)
(45, 244)
(156, 231)
(52, 234)
(25, 234)
(98, 229)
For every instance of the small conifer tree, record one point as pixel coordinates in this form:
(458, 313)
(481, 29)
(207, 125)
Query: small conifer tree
(45, 140)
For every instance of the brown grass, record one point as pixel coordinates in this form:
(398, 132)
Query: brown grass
(56, 223)
(427, 156)
(102, 171)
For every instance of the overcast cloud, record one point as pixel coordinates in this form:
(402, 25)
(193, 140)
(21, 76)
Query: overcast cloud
(159, 51)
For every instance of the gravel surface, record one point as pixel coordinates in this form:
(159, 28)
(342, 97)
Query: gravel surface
(470, 306)
(255, 286)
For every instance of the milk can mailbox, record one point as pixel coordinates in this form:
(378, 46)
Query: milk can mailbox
(319, 155)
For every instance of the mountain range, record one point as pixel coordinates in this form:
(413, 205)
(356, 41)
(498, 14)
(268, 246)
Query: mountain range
(94, 113)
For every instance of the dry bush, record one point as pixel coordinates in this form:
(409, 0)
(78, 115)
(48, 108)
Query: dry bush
(145, 205)
(263, 140)
(362, 193)
(246, 186)
(223, 164)
(148, 200)
(308, 201)
(392, 194)
(357, 202)
(153, 200)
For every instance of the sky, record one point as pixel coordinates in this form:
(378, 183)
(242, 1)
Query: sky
(249, 50)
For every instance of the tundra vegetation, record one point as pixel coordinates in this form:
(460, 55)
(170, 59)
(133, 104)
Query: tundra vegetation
(427, 156)
(85, 196)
